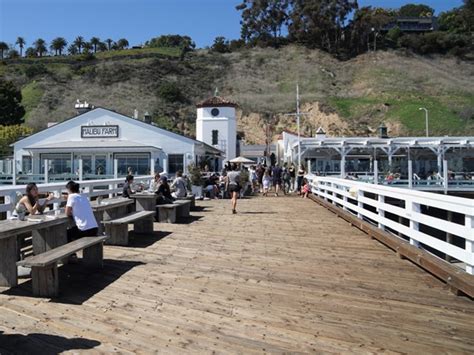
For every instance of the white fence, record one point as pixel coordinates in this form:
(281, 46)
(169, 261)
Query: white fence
(91, 188)
(444, 224)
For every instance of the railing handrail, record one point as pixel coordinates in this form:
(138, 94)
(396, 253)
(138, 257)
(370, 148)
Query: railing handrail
(351, 196)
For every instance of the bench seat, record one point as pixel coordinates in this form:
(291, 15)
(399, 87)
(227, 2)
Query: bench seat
(167, 212)
(44, 266)
(191, 198)
(117, 229)
(184, 207)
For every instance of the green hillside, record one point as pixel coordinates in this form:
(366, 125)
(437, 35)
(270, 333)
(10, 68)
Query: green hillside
(347, 98)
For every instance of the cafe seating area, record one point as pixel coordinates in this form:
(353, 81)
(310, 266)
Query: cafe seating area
(46, 237)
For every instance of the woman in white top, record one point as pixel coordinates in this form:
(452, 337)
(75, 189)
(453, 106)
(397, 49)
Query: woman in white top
(79, 208)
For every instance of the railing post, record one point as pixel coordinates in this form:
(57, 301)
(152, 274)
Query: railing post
(376, 172)
(411, 208)
(57, 195)
(46, 171)
(449, 236)
(469, 222)
(360, 194)
(115, 169)
(345, 190)
(81, 171)
(445, 176)
(111, 187)
(14, 170)
(333, 194)
(380, 210)
(410, 174)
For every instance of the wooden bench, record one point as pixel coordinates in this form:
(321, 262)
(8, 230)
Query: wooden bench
(183, 209)
(117, 229)
(167, 212)
(191, 198)
(44, 267)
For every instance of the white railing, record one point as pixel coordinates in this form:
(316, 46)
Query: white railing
(91, 188)
(407, 214)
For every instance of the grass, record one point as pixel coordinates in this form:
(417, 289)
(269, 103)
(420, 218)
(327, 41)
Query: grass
(32, 94)
(167, 51)
(404, 108)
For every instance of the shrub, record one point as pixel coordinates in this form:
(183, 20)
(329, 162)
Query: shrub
(169, 91)
(35, 69)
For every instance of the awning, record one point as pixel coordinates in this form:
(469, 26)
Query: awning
(101, 145)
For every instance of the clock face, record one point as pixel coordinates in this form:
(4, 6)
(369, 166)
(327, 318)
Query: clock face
(215, 112)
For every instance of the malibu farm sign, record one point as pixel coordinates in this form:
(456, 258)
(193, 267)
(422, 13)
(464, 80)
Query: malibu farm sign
(99, 131)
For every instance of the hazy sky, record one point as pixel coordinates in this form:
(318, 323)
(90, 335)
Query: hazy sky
(136, 20)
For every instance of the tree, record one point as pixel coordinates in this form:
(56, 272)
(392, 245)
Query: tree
(40, 46)
(13, 53)
(58, 44)
(263, 20)
(72, 49)
(416, 10)
(3, 48)
(79, 43)
(95, 41)
(109, 43)
(21, 43)
(122, 43)
(87, 47)
(319, 23)
(220, 45)
(11, 110)
(10, 134)
(102, 47)
(184, 42)
(30, 52)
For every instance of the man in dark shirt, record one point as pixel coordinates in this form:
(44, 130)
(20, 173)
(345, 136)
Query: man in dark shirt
(276, 174)
(164, 192)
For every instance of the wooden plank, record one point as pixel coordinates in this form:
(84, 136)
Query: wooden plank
(45, 280)
(56, 254)
(457, 279)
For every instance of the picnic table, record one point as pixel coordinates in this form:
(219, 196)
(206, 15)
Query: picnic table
(48, 231)
(145, 201)
(109, 209)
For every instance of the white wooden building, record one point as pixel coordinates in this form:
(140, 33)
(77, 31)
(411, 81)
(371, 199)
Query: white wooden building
(108, 143)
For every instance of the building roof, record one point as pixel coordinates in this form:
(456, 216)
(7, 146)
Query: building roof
(96, 144)
(207, 147)
(216, 101)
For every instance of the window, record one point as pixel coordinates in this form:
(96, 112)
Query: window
(26, 164)
(175, 163)
(57, 163)
(215, 137)
(100, 164)
(138, 163)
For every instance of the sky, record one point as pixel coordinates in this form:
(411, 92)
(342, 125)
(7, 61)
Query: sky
(137, 20)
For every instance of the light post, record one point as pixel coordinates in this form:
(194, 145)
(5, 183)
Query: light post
(426, 119)
(298, 114)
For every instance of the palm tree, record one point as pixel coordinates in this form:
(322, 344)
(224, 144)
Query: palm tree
(72, 49)
(21, 43)
(3, 48)
(40, 46)
(58, 44)
(109, 43)
(95, 41)
(122, 43)
(79, 43)
(87, 47)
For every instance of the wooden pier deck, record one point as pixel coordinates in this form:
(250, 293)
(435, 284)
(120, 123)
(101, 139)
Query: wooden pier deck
(284, 275)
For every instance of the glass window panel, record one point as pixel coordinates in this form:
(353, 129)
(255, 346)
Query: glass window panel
(175, 163)
(58, 163)
(26, 164)
(139, 164)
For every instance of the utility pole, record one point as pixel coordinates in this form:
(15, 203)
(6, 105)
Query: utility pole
(298, 114)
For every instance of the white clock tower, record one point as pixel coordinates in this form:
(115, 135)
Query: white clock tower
(216, 125)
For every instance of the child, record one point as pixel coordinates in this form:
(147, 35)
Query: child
(266, 182)
(306, 188)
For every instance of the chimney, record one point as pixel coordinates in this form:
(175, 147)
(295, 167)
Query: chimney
(383, 131)
(320, 134)
(147, 118)
(135, 114)
(82, 107)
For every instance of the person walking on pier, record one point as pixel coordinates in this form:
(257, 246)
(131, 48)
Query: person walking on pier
(299, 181)
(233, 186)
(276, 175)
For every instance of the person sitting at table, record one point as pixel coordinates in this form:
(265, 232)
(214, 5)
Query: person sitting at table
(79, 208)
(127, 191)
(30, 203)
(155, 183)
(179, 186)
(164, 192)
